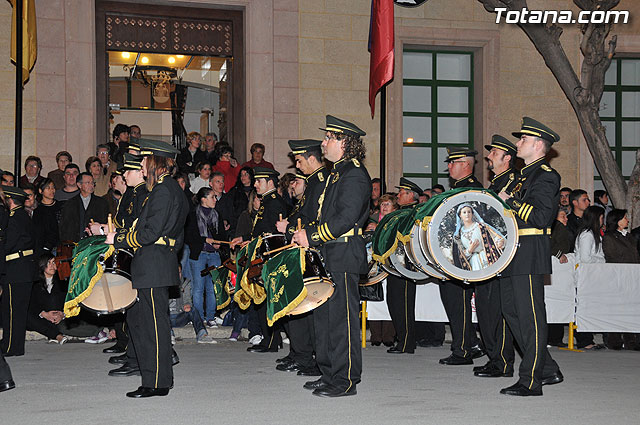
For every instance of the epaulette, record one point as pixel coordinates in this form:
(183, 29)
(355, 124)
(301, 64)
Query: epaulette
(545, 167)
(273, 195)
(355, 162)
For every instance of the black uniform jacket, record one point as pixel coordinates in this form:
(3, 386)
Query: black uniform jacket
(75, 218)
(344, 208)
(160, 225)
(535, 201)
(20, 237)
(130, 206)
(4, 223)
(307, 208)
(504, 181)
(271, 207)
(469, 181)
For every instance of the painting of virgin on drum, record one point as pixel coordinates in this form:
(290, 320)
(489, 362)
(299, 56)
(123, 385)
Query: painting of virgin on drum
(472, 235)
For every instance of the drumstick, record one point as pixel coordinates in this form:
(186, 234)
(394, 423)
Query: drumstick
(109, 223)
(279, 217)
(220, 242)
(282, 248)
(299, 224)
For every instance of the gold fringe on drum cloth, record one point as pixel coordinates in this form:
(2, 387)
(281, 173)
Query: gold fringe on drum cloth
(299, 298)
(71, 307)
(249, 291)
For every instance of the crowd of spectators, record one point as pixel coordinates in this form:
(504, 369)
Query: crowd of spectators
(224, 204)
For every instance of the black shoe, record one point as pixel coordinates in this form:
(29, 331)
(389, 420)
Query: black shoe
(331, 391)
(398, 350)
(558, 344)
(262, 349)
(493, 372)
(143, 392)
(310, 371)
(174, 357)
(288, 367)
(556, 378)
(483, 367)
(7, 385)
(520, 390)
(114, 349)
(477, 352)
(376, 343)
(388, 343)
(121, 359)
(125, 370)
(285, 359)
(454, 360)
(314, 385)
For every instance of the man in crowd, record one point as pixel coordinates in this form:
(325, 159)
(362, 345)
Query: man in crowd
(119, 143)
(401, 294)
(534, 199)
(376, 191)
(257, 157)
(135, 132)
(63, 158)
(32, 168)
(496, 337)
(117, 187)
(579, 201)
(70, 189)
(81, 209)
(337, 232)
(455, 295)
(210, 140)
(8, 179)
(564, 199)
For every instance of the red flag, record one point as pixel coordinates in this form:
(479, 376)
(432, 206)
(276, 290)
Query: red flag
(381, 40)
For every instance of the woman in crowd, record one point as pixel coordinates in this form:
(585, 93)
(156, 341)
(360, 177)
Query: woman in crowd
(202, 229)
(47, 300)
(203, 172)
(228, 166)
(191, 155)
(588, 249)
(619, 246)
(47, 216)
(382, 331)
(240, 194)
(94, 167)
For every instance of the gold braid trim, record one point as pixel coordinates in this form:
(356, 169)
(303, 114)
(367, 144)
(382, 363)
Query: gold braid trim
(252, 290)
(227, 289)
(297, 300)
(71, 308)
(242, 299)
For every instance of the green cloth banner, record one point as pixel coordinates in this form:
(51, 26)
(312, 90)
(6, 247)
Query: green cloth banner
(246, 290)
(86, 270)
(385, 239)
(221, 286)
(283, 282)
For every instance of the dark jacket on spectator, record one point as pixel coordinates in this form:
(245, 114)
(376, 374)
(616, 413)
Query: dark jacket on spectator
(24, 181)
(560, 239)
(57, 176)
(619, 248)
(45, 219)
(112, 202)
(187, 162)
(192, 234)
(573, 224)
(75, 218)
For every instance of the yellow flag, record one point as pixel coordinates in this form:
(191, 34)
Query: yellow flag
(29, 38)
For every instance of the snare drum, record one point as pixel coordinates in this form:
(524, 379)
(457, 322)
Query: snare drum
(113, 293)
(317, 282)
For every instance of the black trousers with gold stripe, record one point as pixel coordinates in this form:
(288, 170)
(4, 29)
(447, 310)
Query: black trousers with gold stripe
(150, 331)
(523, 308)
(401, 301)
(302, 337)
(496, 336)
(456, 298)
(5, 372)
(15, 304)
(337, 329)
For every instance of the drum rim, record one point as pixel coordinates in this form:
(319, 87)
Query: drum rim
(429, 269)
(509, 218)
(378, 278)
(332, 286)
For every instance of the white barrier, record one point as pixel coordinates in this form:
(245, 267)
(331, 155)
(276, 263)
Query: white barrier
(608, 297)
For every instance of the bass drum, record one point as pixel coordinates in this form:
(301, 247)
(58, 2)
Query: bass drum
(419, 259)
(317, 281)
(113, 293)
(375, 272)
(471, 236)
(400, 264)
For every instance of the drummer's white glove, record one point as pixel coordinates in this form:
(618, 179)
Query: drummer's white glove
(300, 237)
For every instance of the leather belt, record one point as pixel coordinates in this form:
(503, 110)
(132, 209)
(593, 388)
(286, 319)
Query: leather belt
(19, 254)
(533, 231)
(163, 240)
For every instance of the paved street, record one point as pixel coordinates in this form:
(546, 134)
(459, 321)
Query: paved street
(223, 384)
